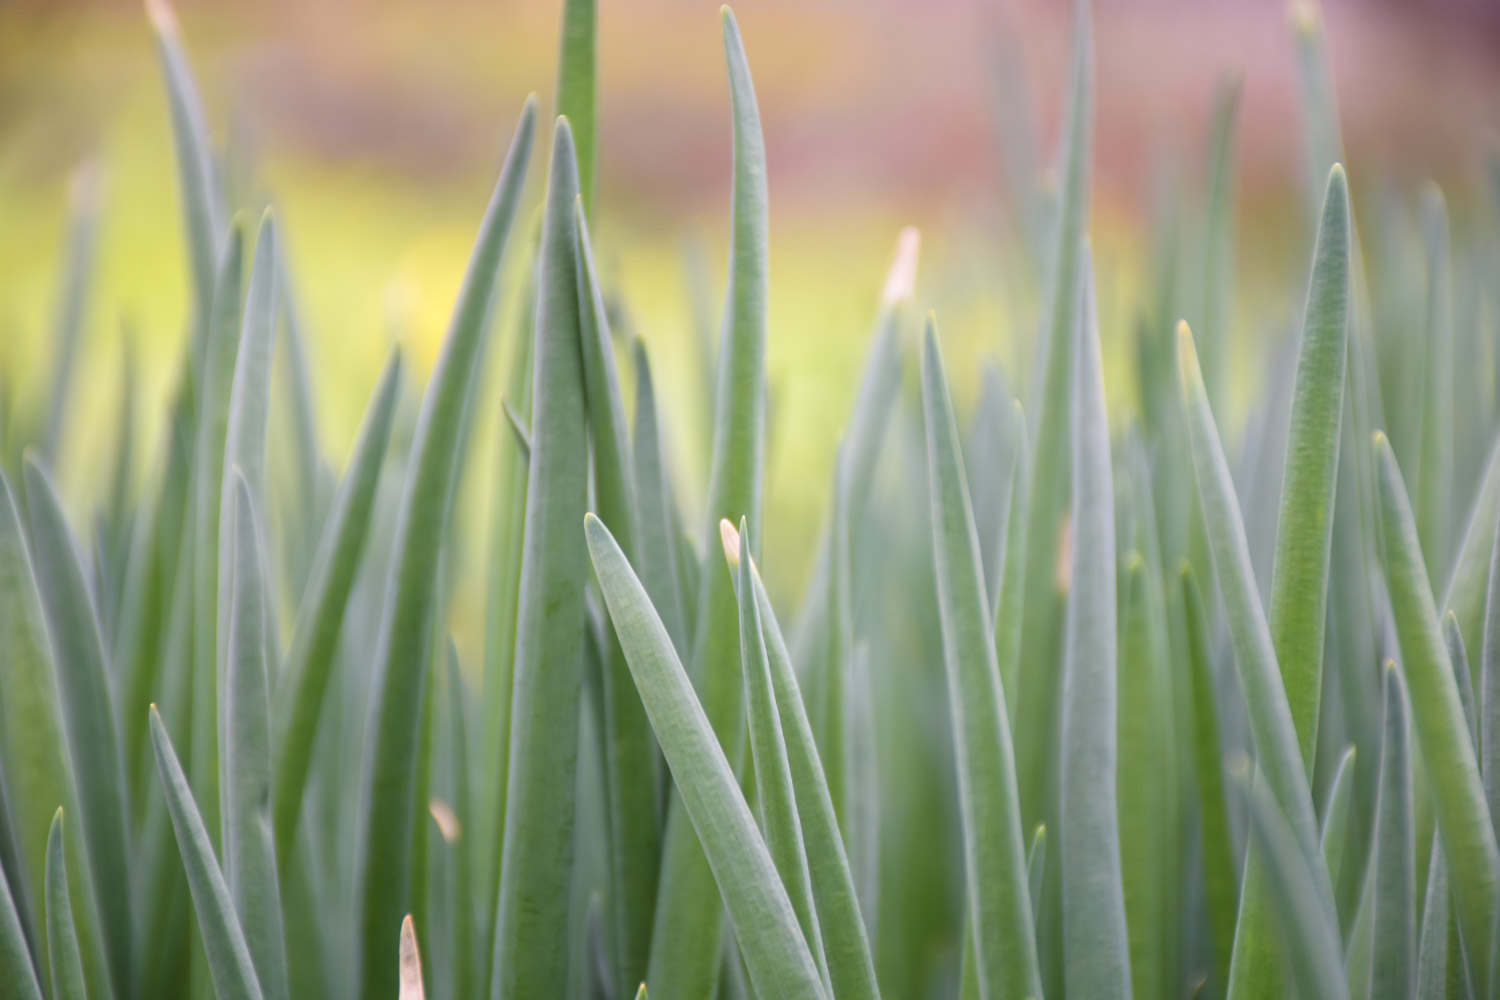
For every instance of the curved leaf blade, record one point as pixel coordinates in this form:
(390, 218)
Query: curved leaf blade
(383, 868)
(689, 913)
(229, 964)
(998, 901)
(308, 668)
(1442, 735)
(775, 952)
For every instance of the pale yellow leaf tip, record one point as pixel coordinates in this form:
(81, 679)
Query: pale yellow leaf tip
(411, 963)
(446, 820)
(731, 541)
(901, 279)
(1306, 19)
(1379, 441)
(640, 994)
(163, 18)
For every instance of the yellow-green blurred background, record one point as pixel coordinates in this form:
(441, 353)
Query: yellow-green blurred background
(375, 128)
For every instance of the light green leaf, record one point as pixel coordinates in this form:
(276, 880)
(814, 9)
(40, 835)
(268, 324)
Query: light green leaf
(1467, 587)
(1147, 813)
(776, 801)
(630, 753)
(215, 388)
(383, 867)
(775, 952)
(1036, 865)
(83, 686)
(35, 771)
(15, 958)
(1489, 683)
(308, 668)
(249, 850)
(1096, 947)
(64, 958)
(1253, 966)
(577, 89)
(76, 276)
(1010, 596)
(689, 913)
(1220, 867)
(1334, 838)
(1307, 925)
(998, 902)
(530, 945)
(201, 212)
(229, 963)
(1304, 531)
(1457, 793)
(657, 551)
(1051, 406)
(1433, 469)
(1394, 945)
(851, 968)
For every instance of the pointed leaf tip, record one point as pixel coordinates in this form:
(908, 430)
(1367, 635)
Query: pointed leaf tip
(162, 17)
(411, 963)
(901, 279)
(731, 541)
(1305, 17)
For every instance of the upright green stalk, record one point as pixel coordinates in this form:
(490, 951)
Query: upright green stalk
(1463, 820)
(1394, 946)
(689, 914)
(531, 923)
(998, 901)
(1096, 948)
(249, 848)
(1304, 532)
(630, 753)
(384, 863)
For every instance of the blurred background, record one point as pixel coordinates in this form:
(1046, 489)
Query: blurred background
(376, 128)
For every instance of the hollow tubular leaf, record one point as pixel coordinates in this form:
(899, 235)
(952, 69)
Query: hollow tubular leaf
(851, 968)
(1096, 948)
(1220, 866)
(383, 865)
(249, 851)
(1334, 837)
(1304, 531)
(630, 754)
(771, 942)
(531, 923)
(16, 970)
(1442, 736)
(1309, 929)
(64, 958)
(303, 682)
(577, 89)
(35, 772)
(1394, 945)
(83, 686)
(1051, 407)
(776, 801)
(201, 213)
(229, 964)
(1253, 966)
(1489, 684)
(685, 938)
(658, 523)
(998, 902)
